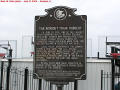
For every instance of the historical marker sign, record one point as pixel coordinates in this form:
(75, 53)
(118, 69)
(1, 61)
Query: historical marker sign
(60, 45)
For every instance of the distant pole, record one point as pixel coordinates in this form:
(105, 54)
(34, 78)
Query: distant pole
(98, 55)
(102, 79)
(8, 69)
(113, 69)
(106, 45)
(26, 79)
(10, 58)
(2, 63)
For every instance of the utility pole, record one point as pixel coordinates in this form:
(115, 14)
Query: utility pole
(8, 68)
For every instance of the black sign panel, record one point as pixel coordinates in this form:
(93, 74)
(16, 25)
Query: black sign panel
(60, 45)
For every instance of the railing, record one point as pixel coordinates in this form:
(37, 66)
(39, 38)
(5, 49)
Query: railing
(106, 78)
(106, 83)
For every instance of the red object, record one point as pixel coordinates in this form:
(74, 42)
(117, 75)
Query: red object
(32, 53)
(2, 55)
(115, 55)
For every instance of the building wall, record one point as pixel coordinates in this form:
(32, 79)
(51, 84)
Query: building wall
(93, 81)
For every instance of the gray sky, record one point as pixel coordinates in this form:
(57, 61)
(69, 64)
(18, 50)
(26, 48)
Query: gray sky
(17, 19)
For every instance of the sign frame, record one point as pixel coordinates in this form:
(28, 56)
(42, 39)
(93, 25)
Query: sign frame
(59, 18)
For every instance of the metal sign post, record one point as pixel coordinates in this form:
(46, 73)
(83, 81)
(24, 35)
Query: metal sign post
(8, 69)
(59, 87)
(75, 85)
(113, 68)
(60, 45)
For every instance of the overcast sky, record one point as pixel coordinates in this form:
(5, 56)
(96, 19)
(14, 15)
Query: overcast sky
(17, 19)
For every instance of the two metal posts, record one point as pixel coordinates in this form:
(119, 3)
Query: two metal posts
(60, 87)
